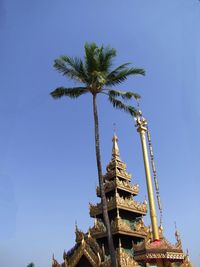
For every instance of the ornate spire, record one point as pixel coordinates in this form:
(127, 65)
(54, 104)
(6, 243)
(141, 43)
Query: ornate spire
(115, 149)
(177, 234)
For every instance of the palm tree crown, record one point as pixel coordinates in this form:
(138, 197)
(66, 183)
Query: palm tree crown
(96, 75)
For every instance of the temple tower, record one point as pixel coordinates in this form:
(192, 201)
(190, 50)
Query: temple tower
(125, 213)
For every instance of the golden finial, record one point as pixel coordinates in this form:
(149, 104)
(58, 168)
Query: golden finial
(76, 228)
(177, 235)
(115, 149)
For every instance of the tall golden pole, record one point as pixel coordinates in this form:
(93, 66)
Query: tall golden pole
(141, 124)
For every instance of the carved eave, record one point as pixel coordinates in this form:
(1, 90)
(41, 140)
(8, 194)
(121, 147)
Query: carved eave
(120, 226)
(120, 203)
(112, 174)
(116, 163)
(150, 251)
(119, 184)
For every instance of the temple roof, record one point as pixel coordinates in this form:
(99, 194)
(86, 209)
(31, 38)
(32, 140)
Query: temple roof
(160, 249)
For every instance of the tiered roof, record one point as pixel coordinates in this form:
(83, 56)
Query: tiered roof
(120, 195)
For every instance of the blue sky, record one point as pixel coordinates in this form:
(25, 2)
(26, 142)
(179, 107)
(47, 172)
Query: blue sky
(47, 160)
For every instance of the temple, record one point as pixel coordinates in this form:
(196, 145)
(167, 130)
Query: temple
(134, 242)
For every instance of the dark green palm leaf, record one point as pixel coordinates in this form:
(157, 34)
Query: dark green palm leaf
(118, 69)
(115, 78)
(76, 64)
(124, 95)
(106, 55)
(72, 68)
(70, 92)
(120, 105)
(91, 51)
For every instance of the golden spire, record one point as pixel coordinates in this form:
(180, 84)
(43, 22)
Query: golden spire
(141, 125)
(115, 148)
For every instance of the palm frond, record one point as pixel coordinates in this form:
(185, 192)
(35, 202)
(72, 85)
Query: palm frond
(124, 95)
(70, 92)
(118, 69)
(90, 58)
(71, 67)
(120, 105)
(105, 57)
(117, 77)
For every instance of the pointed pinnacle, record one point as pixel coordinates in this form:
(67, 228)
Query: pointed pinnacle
(115, 148)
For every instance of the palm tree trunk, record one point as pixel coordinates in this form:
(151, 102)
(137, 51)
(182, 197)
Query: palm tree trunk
(103, 195)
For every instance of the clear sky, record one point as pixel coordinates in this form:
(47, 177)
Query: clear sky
(47, 160)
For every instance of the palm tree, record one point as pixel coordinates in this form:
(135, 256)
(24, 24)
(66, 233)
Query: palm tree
(96, 74)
